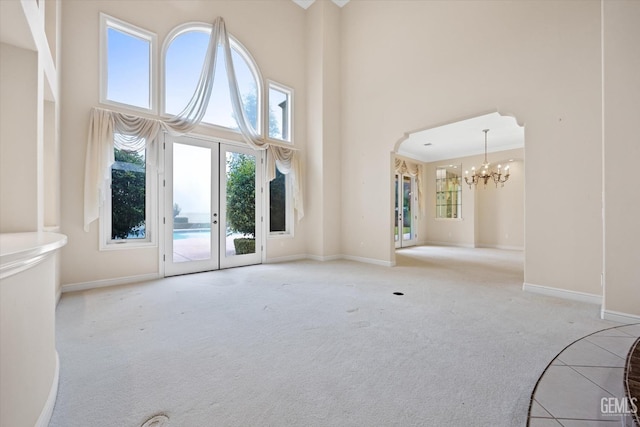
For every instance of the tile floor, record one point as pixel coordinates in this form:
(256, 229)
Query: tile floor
(584, 385)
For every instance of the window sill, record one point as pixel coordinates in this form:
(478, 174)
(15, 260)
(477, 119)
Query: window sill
(126, 245)
(284, 235)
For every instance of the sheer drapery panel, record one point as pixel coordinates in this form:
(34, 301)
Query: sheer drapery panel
(404, 167)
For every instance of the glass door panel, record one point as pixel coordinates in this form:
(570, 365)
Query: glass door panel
(212, 206)
(407, 217)
(191, 213)
(405, 208)
(396, 213)
(240, 190)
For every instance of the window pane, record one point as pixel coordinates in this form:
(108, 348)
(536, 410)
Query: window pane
(191, 203)
(128, 196)
(220, 112)
(278, 114)
(248, 88)
(407, 216)
(448, 192)
(278, 204)
(128, 69)
(183, 65)
(241, 204)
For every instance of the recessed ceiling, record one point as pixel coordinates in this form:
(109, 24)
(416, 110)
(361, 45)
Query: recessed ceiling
(306, 3)
(464, 138)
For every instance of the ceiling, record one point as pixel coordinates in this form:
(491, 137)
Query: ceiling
(306, 3)
(464, 138)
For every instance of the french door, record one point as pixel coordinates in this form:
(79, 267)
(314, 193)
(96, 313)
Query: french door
(405, 211)
(213, 206)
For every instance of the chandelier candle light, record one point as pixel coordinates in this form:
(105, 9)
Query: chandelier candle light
(484, 174)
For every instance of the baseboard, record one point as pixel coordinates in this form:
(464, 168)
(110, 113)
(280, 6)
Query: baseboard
(73, 287)
(323, 258)
(616, 316)
(369, 260)
(350, 258)
(562, 293)
(285, 259)
(502, 247)
(452, 244)
(47, 409)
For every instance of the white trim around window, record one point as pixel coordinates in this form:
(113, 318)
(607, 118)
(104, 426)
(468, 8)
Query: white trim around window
(287, 118)
(289, 222)
(107, 22)
(151, 214)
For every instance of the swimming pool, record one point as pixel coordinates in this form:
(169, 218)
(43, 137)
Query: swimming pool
(193, 233)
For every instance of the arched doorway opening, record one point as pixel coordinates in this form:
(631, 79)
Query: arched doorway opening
(448, 211)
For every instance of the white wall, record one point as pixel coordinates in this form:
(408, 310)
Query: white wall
(273, 32)
(621, 156)
(416, 64)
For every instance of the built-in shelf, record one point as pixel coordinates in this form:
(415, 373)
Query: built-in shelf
(29, 83)
(30, 194)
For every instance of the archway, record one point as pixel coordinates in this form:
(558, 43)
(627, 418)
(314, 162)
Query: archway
(452, 212)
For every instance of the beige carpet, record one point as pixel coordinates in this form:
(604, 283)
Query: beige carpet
(316, 344)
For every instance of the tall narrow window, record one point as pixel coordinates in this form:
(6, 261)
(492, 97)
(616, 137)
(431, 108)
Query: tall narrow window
(448, 192)
(128, 196)
(183, 59)
(280, 112)
(278, 204)
(129, 206)
(127, 64)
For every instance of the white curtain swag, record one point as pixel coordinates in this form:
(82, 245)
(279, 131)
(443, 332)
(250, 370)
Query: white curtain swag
(111, 129)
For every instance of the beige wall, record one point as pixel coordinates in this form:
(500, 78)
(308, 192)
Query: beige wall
(323, 137)
(621, 156)
(428, 63)
(491, 217)
(500, 211)
(279, 51)
(18, 133)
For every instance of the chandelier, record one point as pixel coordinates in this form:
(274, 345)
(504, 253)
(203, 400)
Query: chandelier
(484, 174)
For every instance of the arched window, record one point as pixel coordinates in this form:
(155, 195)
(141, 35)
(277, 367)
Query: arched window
(184, 53)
